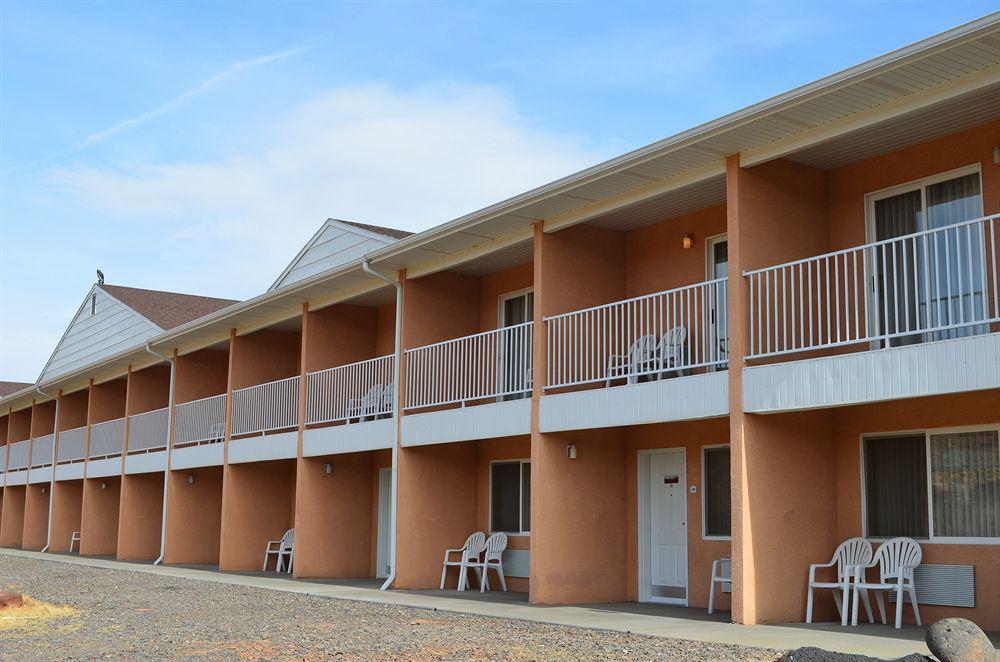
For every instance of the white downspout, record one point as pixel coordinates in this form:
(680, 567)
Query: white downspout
(396, 410)
(52, 479)
(166, 470)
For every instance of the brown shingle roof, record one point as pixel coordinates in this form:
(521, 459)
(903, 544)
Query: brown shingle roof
(166, 309)
(6, 388)
(378, 229)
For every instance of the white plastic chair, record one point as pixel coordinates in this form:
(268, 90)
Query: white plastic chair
(388, 395)
(492, 558)
(366, 405)
(282, 549)
(640, 356)
(896, 560)
(849, 554)
(216, 432)
(670, 351)
(470, 551)
(722, 573)
(74, 538)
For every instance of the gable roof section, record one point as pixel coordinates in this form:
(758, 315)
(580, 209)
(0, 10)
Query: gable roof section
(336, 243)
(6, 388)
(166, 309)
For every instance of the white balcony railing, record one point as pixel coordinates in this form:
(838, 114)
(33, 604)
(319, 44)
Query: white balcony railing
(359, 390)
(41, 451)
(200, 421)
(652, 336)
(266, 407)
(148, 431)
(18, 458)
(930, 285)
(492, 364)
(72, 444)
(107, 438)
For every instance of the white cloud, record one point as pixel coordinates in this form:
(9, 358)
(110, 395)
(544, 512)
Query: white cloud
(407, 159)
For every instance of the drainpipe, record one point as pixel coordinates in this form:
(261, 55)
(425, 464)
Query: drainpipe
(52, 478)
(166, 470)
(396, 410)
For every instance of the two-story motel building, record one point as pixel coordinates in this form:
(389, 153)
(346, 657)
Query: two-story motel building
(753, 339)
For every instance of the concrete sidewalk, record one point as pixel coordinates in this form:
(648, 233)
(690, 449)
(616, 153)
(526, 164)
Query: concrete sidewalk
(653, 620)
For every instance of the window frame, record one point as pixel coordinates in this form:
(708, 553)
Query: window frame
(520, 496)
(704, 494)
(927, 433)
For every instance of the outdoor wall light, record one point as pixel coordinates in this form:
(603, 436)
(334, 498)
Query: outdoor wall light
(43, 490)
(328, 468)
(190, 479)
(688, 242)
(571, 451)
(104, 485)
(996, 154)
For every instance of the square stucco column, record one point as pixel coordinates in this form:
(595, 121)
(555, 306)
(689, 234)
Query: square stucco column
(12, 519)
(194, 516)
(67, 510)
(99, 525)
(783, 466)
(141, 516)
(36, 516)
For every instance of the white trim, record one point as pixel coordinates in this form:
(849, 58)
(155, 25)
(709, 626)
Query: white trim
(705, 536)
(642, 500)
(927, 433)
(504, 298)
(520, 496)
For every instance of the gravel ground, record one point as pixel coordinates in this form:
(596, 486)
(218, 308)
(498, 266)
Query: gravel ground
(140, 616)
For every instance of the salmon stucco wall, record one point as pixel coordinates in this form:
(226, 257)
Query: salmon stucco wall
(264, 356)
(99, 522)
(141, 517)
(43, 418)
(107, 400)
(194, 516)
(36, 516)
(258, 504)
(67, 512)
(19, 425)
(73, 410)
(12, 516)
(339, 335)
(200, 374)
(920, 414)
(148, 389)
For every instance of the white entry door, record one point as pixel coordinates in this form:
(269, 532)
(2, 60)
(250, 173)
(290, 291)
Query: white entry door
(384, 532)
(668, 527)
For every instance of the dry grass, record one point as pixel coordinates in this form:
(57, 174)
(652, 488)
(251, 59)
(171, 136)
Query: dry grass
(33, 617)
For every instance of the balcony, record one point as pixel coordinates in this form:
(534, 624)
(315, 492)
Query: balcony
(903, 317)
(147, 441)
(654, 358)
(474, 387)
(18, 456)
(71, 453)
(270, 411)
(107, 439)
(338, 399)
(199, 429)
(41, 451)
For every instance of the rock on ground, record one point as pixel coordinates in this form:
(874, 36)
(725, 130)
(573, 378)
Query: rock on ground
(811, 654)
(960, 640)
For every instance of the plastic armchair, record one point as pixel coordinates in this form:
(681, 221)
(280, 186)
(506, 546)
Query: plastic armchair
(670, 351)
(283, 550)
(492, 558)
(470, 551)
(640, 356)
(849, 554)
(896, 560)
(722, 573)
(366, 405)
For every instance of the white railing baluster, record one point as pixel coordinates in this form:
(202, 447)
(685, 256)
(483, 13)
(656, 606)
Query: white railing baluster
(41, 451)
(18, 458)
(266, 407)
(361, 390)
(107, 438)
(72, 444)
(898, 290)
(147, 431)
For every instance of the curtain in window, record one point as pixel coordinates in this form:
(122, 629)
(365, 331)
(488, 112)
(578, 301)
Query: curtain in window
(894, 217)
(718, 504)
(506, 497)
(526, 496)
(896, 486)
(965, 479)
(956, 257)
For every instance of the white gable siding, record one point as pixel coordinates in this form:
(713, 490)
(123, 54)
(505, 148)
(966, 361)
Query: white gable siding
(114, 327)
(332, 246)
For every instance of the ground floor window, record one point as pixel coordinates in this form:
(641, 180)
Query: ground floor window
(716, 492)
(510, 496)
(938, 484)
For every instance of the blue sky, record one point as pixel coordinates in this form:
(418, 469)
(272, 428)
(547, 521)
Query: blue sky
(195, 146)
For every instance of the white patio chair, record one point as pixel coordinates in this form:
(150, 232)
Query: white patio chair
(849, 554)
(670, 351)
(74, 538)
(366, 405)
(639, 358)
(386, 403)
(896, 560)
(492, 558)
(283, 550)
(216, 432)
(471, 550)
(722, 573)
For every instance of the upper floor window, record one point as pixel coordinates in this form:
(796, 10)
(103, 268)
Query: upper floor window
(716, 492)
(935, 485)
(935, 281)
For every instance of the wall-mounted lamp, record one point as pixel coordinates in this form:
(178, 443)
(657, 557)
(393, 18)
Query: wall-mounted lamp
(571, 451)
(104, 485)
(688, 242)
(43, 489)
(996, 154)
(328, 468)
(190, 479)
